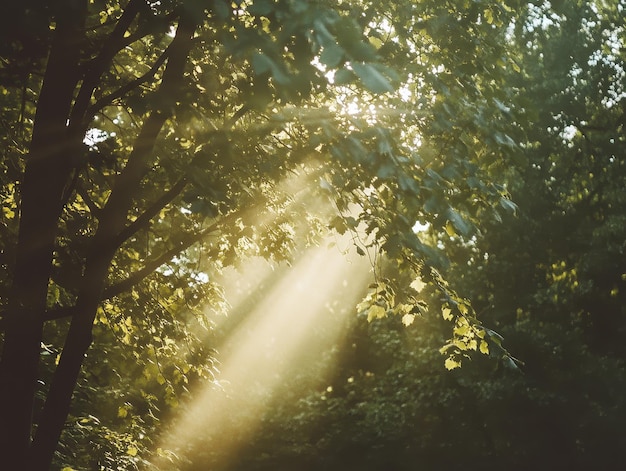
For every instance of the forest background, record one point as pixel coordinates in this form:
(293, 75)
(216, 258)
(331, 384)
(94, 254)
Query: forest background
(465, 158)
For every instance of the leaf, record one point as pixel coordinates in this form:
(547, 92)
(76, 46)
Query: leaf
(460, 224)
(501, 106)
(417, 284)
(451, 364)
(131, 450)
(261, 63)
(408, 319)
(376, 312)
(508, 361)
(338, 223)
(323, 36)
(450, 229)
(407, 183)
(331, 55)
(373, 80)
(508, 205)
(343, 77)
(504, 140)
(8, 213)
(447, 313)
(484, 347)
(261, 7)
(462, 330)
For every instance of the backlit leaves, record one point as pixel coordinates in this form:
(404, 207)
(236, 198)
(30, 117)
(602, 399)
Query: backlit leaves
(372, 78)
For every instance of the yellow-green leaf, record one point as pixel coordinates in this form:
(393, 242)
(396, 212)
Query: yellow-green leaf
(462, 307)
(417, 284)
(451, 364)
(375, 312)
(461, 330)
(450, 229)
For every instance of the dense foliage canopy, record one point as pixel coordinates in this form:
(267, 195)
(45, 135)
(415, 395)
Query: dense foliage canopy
(550, 279)
(472, 149)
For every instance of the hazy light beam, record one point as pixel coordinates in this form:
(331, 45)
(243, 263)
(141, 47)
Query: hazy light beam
(262, 349)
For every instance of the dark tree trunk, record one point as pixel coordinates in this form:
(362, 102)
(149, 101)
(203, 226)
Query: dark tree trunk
(77, 342)
(112, 222)
(46, 176)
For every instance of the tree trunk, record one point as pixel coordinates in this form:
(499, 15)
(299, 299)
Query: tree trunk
(45, 178)
(106, 241)
(77, 342)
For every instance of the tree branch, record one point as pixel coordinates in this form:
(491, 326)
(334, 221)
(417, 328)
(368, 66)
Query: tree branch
(162, 259)
(98, 65)
(123, 90)
(144, 219)
(93, 207)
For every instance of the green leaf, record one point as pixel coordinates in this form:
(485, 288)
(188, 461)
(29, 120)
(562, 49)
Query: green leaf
(504, 140)
(331, 55)
(323, 36)
(460, 224)
(508, 205)
(371, 78)
(407, 183)
(343, 77)
(261, 7)
(261, 64)
(502, 107)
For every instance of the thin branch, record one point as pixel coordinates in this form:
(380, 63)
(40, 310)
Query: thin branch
(243, 109)
(93, 207)
(154, 264)
(120, 92)
(98, 65)
(186, 241)
(144, 219)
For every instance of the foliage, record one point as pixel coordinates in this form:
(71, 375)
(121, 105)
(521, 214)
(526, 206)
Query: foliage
(549, 278)
(147, 145)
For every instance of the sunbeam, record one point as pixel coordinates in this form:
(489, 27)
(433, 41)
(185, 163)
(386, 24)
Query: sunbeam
(265, 346)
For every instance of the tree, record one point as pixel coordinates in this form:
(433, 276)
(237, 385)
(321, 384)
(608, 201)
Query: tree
(549, 278)
(136, 131)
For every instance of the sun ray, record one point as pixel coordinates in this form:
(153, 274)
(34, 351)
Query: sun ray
(261, 349)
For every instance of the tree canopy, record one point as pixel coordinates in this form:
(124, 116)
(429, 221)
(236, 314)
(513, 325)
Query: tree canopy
(549, 278)
(474, 146)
